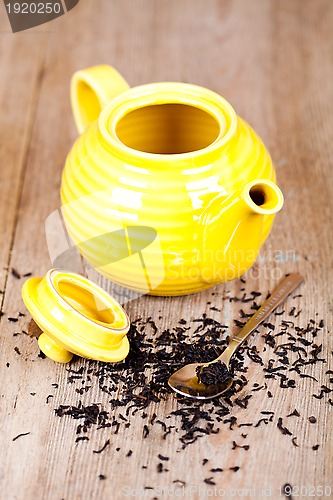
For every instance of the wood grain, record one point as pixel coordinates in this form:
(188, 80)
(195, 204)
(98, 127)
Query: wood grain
(273, 61)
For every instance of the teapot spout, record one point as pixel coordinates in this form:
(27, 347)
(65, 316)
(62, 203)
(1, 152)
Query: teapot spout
(263, 197)
(234, 228)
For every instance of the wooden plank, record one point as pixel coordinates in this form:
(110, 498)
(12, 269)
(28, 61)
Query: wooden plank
(19, 87)
(269, 60)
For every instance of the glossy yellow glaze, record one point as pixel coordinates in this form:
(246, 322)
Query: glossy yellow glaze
(77, 317)
(169, 191)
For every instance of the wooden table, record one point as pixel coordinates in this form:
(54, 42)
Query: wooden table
(273, 61)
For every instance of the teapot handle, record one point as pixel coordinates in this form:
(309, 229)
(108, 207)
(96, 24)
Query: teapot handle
(91, 90)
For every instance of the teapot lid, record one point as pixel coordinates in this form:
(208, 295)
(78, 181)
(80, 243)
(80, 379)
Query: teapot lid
(76, 317)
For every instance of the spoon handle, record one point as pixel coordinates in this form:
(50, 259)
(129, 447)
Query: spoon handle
(287, 285)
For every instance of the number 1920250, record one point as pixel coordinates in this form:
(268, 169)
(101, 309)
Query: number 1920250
(305, 491)
(34, 8)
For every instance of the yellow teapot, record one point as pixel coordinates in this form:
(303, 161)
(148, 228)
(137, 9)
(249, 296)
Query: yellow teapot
(166, 191)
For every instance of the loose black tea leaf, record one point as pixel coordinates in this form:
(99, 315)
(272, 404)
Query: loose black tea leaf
(234, 469)
(235, 445)
(284, 430)
(160, 467)
(294, 414)
(264, 420)
(214, 373)
(287, 489)
(209, 480)
(20, 435)
(294, 441)
(15, 273)
(232, 420)
(81, 438)
(103, 447)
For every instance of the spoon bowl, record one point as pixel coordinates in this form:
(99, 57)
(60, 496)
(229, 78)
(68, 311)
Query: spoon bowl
(185, 381)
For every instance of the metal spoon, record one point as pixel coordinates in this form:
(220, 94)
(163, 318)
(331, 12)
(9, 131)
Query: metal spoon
(185, 380)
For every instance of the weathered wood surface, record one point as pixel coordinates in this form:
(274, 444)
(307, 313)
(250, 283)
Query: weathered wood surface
(273, 61)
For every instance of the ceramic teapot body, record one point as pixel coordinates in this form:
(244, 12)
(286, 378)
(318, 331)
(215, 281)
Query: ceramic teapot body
(166, 191)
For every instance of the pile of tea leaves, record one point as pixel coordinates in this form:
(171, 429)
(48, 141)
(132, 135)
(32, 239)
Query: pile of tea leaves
(137, 387)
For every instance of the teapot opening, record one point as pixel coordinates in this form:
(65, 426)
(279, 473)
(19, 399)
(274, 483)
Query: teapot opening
(257, 195)
(170, 128)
